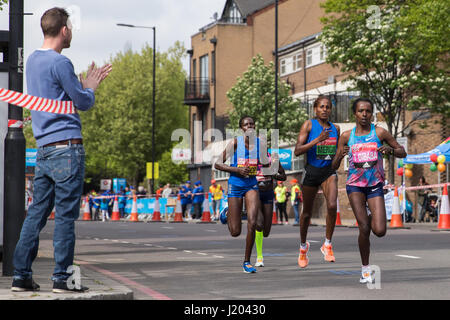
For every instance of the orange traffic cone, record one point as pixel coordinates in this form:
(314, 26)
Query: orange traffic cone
(396, 217)
(134, 214)
(52, 215)
(178, 214)
(444, 213)
(206, 216)
(86, 212)
(274, 216)
(115, 216)
(156, 211)
(338, 215)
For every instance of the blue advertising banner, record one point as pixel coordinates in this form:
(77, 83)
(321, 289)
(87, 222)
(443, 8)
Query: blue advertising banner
(30, 157)
(118, 184)
(285, 157)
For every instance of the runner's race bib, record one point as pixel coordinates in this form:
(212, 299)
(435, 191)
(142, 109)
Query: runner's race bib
(251, 163)
(365, 155)
(326, 149)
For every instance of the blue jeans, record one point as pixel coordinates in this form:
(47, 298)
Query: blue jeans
(58, 183)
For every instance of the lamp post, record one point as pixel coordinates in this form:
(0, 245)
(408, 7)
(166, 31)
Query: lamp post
(153, 96)
(276, 65)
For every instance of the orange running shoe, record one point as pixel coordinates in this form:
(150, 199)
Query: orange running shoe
(327, 252)
(303, 256)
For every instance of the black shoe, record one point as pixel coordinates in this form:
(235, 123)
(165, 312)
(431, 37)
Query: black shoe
(21, 285)
(61, 287)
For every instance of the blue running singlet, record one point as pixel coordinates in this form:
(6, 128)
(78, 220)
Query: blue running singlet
(245, 157)
(322, 153)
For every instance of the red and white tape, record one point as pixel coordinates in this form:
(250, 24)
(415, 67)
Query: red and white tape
(36, 103)
(15, 124)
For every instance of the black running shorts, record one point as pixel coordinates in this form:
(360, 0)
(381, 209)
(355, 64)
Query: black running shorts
(315, 176)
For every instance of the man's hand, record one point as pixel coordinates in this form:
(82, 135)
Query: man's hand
(94, 76)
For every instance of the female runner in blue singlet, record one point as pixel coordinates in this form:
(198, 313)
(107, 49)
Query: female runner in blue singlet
(318, 138)
(244, 152)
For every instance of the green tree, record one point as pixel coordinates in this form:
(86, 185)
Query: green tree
(381, 45)
(3, 2)
(170, 171)
(254, 95)
(118, 130)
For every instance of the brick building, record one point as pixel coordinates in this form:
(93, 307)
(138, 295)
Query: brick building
(222, 50)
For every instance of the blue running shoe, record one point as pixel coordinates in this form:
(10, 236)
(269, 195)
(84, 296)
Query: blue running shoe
(248, 268)
(223, 215)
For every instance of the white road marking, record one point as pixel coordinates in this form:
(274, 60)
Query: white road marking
(187, 251)
(405, 256)
(218, 257)
(202, 253)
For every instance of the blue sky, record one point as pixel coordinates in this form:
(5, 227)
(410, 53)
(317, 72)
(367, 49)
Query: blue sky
(96, 36)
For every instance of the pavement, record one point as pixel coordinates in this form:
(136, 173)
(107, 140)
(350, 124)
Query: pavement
(100, 286)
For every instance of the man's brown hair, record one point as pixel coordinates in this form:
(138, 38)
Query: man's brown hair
(53, 20)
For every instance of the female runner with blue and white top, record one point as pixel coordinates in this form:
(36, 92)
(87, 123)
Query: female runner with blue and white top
(244, 152)
(365, 149)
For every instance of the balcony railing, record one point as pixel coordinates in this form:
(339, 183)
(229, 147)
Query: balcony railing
(196, 91)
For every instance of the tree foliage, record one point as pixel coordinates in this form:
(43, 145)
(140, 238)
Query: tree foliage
(396, 53)
(171, 172)
(118, 130)
(254, 95)
(382, 45)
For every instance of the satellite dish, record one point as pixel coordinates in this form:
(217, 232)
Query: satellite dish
(215, 16)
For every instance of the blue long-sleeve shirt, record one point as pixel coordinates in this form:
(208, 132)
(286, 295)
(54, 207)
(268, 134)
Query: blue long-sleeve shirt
(199, 197)
(185, 199)
(51, 75)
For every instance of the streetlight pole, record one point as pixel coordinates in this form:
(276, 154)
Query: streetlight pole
(153, 97)
(276, 64)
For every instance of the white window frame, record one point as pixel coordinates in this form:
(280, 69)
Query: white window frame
(291, 63)
(315, 55)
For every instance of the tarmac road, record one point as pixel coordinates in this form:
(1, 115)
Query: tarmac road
(190, 261)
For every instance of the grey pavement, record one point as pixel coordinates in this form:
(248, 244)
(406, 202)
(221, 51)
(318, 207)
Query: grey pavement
(100, 286)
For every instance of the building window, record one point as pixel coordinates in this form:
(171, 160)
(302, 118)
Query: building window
(204, 74)
(315, 54)
(291, 64)
(283, 66)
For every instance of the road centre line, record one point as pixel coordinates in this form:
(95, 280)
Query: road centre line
(406, 256)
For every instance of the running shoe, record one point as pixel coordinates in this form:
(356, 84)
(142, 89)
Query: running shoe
(259, 262)
(248, 268)
(303, 256)
(327, 252)
(366, 277)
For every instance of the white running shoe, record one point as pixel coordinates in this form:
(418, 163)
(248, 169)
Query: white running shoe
(259, 263)
(367, 277)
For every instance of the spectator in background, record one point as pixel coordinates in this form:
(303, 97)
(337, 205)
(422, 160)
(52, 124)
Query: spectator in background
(141, 191)
(216, 192)
(198, 197)
(280, 195)
(185, 198)
(423, 198)
(122, 201)
(296, 198)
(105, 203)
(96, 206)
(167, 191)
